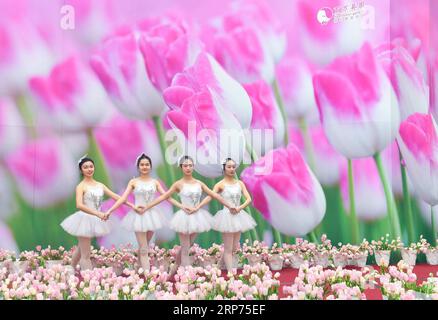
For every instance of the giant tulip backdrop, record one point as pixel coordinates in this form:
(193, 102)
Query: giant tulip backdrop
(350, 107)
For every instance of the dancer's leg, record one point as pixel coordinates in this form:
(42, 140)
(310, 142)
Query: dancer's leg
(143, 252)
(192, 238)
(192, 241)
(228, 250)
(236, 241)
(76, 256)
(85, 249)
(236, 244)
(185, 246)
(150, 235)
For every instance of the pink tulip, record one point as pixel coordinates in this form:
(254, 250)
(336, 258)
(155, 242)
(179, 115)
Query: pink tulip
(321, 43)
(7, 197)
(418, 142)
(408, 81)
(18, 38)
(357, 104)
(238, 47)
(327, 160)
(12, 129)
(207, 74)
(417, 50)
(207, 107)
(294, 78)
(44, 171)
(411, 21)
(71, 98)
(286, 191)
(259, 14)
(120, 67)
(121, 141)
(265, 116)
(7, 240)
(368, 191)
(168, 47)
(410, 26)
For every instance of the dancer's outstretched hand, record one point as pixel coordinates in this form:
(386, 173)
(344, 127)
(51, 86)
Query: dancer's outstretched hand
(107, 215)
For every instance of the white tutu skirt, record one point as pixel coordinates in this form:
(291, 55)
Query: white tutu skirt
(224, 221)
(200, 221)
(151, 220)
(81, 224)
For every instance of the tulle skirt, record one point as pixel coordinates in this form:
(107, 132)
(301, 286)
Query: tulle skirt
(200, 221)
(151, 220)
(82, 224)
(224, 221)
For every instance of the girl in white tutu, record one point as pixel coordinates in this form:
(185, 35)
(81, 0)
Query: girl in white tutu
(143, 223)
(231, 222)
(192, 219)
(89, 221)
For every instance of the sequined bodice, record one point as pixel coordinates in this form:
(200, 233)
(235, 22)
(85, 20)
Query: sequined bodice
(93, 197)
(144, 192)
(232, 194)
(190, 194)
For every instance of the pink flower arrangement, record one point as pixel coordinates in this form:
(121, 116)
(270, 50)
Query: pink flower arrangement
(52, 254)
(254, 283)
(161, 254)
(275, 250)
(197, 254)
(385, 244)
(113, 257)
(257, 247)
(7, 255)
(215, 250)
(398, 282)
(395, 291)
(423, 246)
(313, 283)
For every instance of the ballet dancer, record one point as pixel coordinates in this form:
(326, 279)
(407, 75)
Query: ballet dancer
(89, 221)
(231, 223)
(143, 223)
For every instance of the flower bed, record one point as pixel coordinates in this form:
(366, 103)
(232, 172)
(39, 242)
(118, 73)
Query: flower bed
(285, 256)
(321, 274)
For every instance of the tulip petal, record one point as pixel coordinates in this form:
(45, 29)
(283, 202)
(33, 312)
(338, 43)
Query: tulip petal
(174, 96)
(337, 92)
